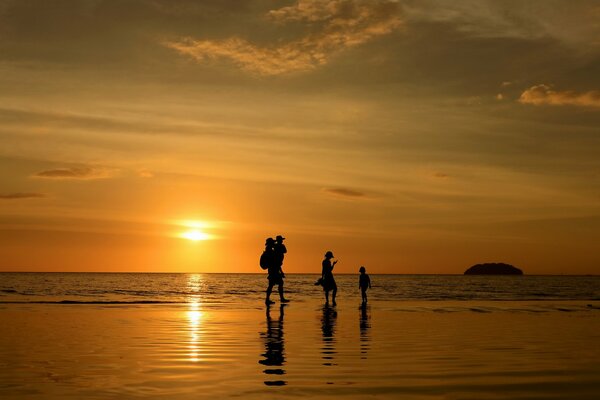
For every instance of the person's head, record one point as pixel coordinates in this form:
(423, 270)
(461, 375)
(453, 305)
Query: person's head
(362, 270)
(269, 242)
(279, 239)
(329, 255)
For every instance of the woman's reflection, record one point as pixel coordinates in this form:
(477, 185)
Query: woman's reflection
(274, 355)
(365, 325)
(328, 329)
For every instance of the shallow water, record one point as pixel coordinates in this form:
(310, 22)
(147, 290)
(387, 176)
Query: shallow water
(304, 349)
(219, 345)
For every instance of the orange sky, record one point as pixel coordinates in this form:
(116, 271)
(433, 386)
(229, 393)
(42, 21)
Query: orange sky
(408, 136)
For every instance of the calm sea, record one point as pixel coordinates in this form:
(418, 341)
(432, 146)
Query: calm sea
(248, 289)
(189, 336)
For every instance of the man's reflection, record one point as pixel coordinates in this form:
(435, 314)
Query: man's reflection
(328, 329)
(274, 355)
(365, 325)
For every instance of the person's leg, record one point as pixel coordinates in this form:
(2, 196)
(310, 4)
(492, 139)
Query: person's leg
(326, 296)
(269, 289)
(281, 297)
(333, 295)
(364, 295)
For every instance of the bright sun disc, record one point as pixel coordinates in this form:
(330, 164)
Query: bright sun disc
(195, 235)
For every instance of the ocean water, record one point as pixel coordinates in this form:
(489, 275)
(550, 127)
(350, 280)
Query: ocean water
(245, 290)
(191, 336)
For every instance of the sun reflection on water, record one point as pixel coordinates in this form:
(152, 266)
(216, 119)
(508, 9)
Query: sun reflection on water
(194, 316)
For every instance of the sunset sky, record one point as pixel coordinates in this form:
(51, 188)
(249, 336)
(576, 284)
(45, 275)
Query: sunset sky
(406, 136)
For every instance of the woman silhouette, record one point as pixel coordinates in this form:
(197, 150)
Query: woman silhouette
(327, 276)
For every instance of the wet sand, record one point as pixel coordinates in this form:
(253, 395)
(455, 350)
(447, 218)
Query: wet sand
(413, 350)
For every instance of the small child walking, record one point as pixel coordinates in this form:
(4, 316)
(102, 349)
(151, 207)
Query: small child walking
(364, 283)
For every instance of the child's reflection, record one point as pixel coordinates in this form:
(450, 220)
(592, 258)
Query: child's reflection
(365, 325)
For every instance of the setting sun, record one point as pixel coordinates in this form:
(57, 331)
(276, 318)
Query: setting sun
(195, 235)
(194, 230)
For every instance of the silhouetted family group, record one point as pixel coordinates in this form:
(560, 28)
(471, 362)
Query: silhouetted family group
(272, 261)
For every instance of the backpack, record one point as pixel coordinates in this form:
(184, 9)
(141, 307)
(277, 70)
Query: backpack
(265, 259)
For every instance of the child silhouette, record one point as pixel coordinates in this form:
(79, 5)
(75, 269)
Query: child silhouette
(364, 283)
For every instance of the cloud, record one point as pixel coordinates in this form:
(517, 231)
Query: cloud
(76, 173)
(19, 195)
(336, 25)
(345, 192)
(144, 173)
(575, 25)
(543, 94)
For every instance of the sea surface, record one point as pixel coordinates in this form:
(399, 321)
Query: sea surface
(192, 336)
(246, 289)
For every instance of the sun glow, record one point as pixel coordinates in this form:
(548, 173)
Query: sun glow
(195, 231)
(195, 235)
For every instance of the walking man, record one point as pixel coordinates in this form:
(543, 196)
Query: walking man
(276, 274)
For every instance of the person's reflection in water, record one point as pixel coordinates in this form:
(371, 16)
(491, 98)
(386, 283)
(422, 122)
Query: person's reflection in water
(274, 355)
(365, 325)
(328, 329)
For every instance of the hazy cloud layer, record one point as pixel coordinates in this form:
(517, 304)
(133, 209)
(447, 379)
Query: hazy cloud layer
(76, 173)
(20, 195)
(334, 25)
(573, 23)
(345, 192)
(543, 94)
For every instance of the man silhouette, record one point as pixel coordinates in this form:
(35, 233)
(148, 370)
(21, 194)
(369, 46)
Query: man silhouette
(276, 274)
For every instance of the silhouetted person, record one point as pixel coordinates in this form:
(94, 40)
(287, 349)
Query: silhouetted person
(327, 278)
(328, 329)
(280, 250)
(276, 275)
(364, 283)
(274, 355)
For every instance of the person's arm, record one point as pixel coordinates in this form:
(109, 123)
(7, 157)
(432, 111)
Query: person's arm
(369, 282)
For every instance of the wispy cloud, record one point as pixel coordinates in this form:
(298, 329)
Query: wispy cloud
(336, 25)
(543, 94)
(345, 192)
(76, 173)
(21, 195)
(512, 19)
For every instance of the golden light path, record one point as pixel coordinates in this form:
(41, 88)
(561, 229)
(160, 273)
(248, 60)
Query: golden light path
(194, 316)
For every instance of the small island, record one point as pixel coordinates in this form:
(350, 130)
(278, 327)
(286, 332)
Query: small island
(493, 269)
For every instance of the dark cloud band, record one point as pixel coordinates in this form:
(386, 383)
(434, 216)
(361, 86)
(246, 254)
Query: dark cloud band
(20, 195)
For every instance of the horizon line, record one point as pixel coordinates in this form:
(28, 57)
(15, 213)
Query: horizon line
(261, 273)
